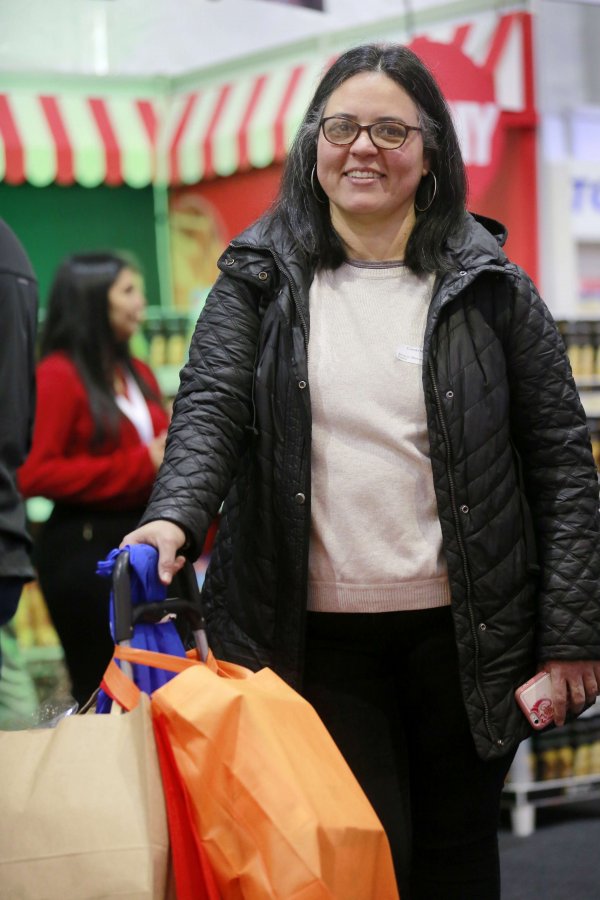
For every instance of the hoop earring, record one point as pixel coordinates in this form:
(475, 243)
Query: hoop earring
(423, 209)
(312, 185)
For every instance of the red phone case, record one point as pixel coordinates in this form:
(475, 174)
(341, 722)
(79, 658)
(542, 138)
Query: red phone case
(535, 699)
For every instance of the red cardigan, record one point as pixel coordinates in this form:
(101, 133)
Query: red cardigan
(62, 464)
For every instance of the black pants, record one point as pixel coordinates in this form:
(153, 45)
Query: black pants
(66, 553)
(386, 685)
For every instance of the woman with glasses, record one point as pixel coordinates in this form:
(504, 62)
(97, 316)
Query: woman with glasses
(410, 526)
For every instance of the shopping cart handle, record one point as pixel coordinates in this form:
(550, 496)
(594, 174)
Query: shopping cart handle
(122, 598)
(187, 580)
(154, 612)
(127, 615)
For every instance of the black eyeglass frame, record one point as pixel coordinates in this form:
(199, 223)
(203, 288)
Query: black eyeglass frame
(367, 128)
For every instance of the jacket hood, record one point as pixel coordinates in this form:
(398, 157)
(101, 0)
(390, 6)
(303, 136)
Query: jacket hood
(478, 243)
(473, 248)
(266, 232)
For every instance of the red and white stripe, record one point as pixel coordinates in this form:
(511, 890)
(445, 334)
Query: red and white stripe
(235, 125)
(71, 138)
(250, 122)
(219, 128)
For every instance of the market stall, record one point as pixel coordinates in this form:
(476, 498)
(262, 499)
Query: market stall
(77, 168)
(170, 166)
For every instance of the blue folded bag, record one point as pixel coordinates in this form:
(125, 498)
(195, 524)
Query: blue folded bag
(162, 637)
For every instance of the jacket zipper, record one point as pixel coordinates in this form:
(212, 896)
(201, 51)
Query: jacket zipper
(281, 268)
(461, 546)
(306, 538)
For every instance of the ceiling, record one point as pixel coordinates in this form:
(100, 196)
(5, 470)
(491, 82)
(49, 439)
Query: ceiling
(169, 38)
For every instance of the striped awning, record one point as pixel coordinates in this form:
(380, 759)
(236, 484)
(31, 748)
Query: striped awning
(249, 122)
(69, 138)
(235, 125)
(218, 128)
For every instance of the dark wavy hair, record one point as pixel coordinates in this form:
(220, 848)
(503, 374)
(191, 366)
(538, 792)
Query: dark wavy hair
(306, 214)
(77, 324)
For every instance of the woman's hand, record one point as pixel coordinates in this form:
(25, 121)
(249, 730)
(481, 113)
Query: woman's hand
(168, 538)
(575, 685)
(156, 449)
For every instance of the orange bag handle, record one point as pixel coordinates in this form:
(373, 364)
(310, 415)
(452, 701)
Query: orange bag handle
(123, 690)
(126, 693)
(120, 687)
(181, 663)
(159, 660)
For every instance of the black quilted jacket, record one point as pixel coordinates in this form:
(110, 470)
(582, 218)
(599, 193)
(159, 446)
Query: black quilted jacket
(514, 475)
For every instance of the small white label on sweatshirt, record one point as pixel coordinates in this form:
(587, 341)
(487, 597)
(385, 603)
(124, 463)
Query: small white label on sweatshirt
(408, 354)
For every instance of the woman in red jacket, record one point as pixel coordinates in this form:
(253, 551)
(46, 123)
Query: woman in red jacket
(98, 440)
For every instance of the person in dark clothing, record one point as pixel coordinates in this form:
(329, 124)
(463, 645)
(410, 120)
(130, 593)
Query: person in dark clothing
(410, 527)
(18, 304)
(98, 440)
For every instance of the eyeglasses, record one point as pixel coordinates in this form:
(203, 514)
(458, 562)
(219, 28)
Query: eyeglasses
(385, 135)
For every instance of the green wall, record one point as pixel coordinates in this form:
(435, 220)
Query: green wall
(54, 221)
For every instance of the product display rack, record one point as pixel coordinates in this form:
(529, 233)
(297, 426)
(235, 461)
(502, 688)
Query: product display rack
(523, 797)
(582, 340)
(574, 748)
(164, 344)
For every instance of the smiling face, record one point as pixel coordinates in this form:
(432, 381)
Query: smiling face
(365, 185)
(126, 304)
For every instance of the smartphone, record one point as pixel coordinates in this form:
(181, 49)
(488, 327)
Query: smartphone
(535, 699)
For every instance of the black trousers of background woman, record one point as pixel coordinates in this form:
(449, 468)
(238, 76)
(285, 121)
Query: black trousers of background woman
(67, 551)
(387, 687)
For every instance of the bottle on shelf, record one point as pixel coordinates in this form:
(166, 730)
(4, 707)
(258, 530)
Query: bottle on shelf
(556, 753)
(594, 736)
(156, 338)
(582, 343)
(564, 752)
(582, 747)
(594, 427)
(546, 751)
(587, 350)
(596, 334)
(176, 346)
(572, 343)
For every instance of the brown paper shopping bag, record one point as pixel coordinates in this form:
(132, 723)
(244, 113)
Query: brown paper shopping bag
(82, 811)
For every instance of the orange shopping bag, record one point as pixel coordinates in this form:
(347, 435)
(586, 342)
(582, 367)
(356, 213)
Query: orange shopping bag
(270, 799)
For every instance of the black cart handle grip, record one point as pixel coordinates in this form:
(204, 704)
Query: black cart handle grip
(127, 615)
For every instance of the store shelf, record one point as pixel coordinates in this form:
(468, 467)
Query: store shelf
(523, 797)
(523, 792)
(556, 790)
